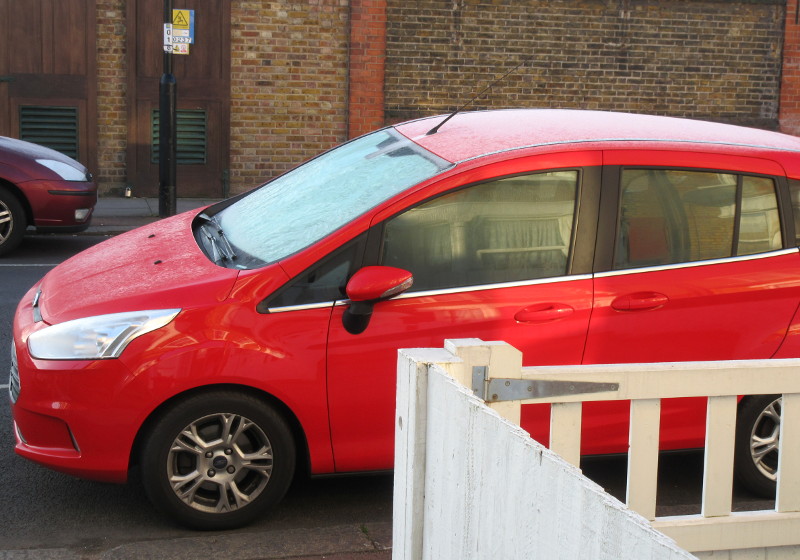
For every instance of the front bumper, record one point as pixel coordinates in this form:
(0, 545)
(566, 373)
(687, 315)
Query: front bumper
(70, 416)
(61, 205)
(59, 423)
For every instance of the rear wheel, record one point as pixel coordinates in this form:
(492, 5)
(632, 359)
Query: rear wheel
(12, 221)
(218, 460)
(757, 436)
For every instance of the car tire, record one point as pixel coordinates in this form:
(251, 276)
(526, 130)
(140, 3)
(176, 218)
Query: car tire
(12, 221)
(218, 460)
(757, 436)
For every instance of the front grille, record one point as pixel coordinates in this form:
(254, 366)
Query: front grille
(13, 382)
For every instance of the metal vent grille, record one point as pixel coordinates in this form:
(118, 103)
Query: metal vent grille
(54, 127)
(192, 137)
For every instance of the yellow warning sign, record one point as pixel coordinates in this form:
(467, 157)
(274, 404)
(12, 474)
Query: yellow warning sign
(182, 31)
(181, 19)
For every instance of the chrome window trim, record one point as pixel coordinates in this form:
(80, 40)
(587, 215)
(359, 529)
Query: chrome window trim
(443, 291)
(693, 264)
(303, 307)
(484, 287)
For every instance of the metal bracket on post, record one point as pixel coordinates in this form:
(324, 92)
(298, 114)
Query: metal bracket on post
(500, 389)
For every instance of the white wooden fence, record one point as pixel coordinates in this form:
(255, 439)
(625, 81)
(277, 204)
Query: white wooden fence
(448, 476)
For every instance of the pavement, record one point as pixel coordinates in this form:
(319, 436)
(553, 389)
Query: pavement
(114, 215)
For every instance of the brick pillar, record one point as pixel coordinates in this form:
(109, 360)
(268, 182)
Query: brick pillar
(789, 112)
(367, 56)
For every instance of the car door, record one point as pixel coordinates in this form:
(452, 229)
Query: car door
(699, 270)
(494, 260)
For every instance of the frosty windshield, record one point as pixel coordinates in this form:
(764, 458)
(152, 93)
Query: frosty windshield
(315, 199)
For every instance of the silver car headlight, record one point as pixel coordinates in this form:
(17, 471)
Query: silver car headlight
(96, 338)
(64, 170)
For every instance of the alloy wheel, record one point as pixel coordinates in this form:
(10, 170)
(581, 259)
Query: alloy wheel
(764, 439)
(6, 222)
(220, 463)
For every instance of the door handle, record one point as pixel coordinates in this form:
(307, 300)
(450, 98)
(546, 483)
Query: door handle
(640, 301)
(543, 313)
(7, 78)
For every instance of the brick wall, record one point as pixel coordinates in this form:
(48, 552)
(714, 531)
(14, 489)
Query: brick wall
(112, 116)
(288, 85)
(790, 86)
(305, 75)
(715, 60)
(367, 63)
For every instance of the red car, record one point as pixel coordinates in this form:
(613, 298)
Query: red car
(43, 188)
(221, 350)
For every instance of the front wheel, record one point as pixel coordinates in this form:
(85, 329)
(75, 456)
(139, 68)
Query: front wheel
(218, 460)
(12, 222)
(758, 427)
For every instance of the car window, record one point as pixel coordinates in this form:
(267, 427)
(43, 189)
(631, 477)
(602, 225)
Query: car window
(322, 283)
(512, 229)
(672, 216)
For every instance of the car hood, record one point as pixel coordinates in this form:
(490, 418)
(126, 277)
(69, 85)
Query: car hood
(158, 266)
(18, 152)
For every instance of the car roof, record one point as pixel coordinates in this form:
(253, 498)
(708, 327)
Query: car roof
(471, 135)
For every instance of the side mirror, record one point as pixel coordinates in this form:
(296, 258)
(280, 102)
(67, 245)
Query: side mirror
(368, 286)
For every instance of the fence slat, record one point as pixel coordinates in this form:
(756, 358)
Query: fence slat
(718, 472)
(788, 494)
(565, 431)
(643, 457)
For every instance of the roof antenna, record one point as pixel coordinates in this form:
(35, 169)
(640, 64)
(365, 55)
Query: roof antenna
(436, 128)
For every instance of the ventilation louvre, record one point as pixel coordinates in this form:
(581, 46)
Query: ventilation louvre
(54, 127)
(192, 137)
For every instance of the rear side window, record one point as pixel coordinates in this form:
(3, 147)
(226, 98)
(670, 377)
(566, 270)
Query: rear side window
(673, 216)
(512, 229)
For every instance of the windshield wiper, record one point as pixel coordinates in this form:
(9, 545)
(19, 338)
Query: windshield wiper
(223, 251)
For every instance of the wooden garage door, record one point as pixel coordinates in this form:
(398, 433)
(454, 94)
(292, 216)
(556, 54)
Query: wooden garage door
(47, 74)
(203, 92)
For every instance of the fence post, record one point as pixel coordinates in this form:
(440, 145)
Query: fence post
(788, 492)
(501, 359)
(410, 446)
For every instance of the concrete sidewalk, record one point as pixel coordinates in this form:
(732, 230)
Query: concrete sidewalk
(114, 215)
(343, 542)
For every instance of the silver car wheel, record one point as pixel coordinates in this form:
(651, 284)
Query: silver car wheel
(220, 463)
(764, 439)
(6, 222)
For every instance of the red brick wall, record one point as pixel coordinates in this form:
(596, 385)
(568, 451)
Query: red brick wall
(367, 55)
(790, 80)
(112, 116)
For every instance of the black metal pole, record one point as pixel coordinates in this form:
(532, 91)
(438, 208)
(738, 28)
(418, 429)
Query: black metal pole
(167, 131)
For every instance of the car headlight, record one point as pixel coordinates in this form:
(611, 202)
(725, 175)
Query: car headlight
(64, 170)
(96, 338)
